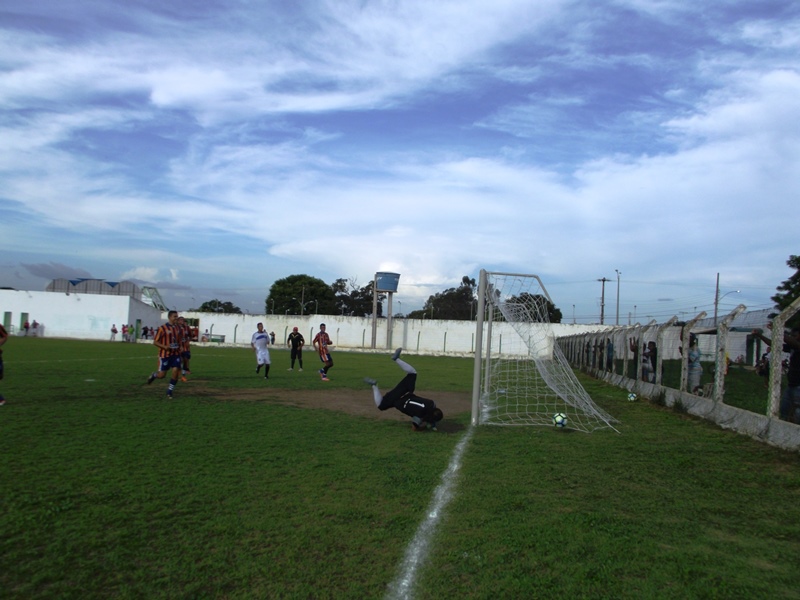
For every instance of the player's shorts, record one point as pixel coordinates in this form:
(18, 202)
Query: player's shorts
(326, 358)
(170, 362)
(262, 356)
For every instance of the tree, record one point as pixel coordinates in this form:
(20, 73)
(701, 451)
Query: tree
(216, 306)
(789, 290)
(354, 301)
(455, 304)
(540, 305)
(300, 294)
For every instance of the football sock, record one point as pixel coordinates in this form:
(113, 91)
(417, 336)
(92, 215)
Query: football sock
(376, 395)
(405, 366)
(171, 386)
(266, 371)
(258, 369)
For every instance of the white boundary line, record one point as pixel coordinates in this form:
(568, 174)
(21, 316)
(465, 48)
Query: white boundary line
(402, 587)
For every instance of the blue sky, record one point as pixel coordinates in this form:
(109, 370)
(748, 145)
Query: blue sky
(210, 148)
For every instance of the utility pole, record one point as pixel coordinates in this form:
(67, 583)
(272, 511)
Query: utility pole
(603, 299)
(618, 274)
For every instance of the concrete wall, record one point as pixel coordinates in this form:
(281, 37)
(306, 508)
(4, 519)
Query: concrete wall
(81, 316)
(90, 317)
(426, 336)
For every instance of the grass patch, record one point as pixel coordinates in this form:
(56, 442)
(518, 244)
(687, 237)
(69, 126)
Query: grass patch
(108, 490)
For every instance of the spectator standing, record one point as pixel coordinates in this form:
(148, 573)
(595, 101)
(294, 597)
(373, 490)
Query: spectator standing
(26, 327)
(296, 343)
(789, 409)
(114, 332)
(695, 368)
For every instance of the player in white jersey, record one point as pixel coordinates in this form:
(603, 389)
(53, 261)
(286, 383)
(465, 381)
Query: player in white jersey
(260, 342)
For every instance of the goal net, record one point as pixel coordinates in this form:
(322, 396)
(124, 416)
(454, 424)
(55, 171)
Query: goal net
(521, 376)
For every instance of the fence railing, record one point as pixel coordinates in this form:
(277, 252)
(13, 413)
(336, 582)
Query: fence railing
(617, 352)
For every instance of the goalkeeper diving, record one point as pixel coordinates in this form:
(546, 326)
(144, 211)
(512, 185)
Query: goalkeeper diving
(423, 412)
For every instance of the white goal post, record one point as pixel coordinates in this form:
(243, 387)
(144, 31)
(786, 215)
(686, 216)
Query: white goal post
(521, 376)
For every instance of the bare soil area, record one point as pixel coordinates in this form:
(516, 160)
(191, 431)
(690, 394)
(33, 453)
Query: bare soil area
(346, 401)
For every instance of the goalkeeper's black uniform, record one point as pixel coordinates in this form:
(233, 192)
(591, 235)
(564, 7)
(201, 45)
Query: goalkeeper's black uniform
(402, 397)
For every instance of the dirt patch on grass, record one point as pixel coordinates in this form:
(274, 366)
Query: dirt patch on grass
(346, 401)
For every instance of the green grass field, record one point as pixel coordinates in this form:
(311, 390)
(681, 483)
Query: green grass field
(108, 490)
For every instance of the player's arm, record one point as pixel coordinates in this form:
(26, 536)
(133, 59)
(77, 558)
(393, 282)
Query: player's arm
(3, 335)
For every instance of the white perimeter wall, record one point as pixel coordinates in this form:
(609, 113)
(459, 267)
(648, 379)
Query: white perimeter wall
(90, 316)
(428, 336)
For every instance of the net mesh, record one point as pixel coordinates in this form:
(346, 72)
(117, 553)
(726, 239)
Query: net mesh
(525, 377)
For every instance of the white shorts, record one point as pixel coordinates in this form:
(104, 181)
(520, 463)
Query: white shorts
(262, 356)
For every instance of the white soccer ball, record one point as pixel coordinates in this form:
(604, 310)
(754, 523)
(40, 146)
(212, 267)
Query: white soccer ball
(632, 397)
(560, 420)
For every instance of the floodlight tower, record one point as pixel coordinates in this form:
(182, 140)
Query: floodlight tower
(384, 282)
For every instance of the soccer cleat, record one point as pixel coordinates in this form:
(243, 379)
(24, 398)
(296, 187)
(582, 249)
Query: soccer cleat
(325, 379)
(416, 427)
(301, 370)
(2, 401)
(183, 378)
(169, 396)
(291, 369)
(266, 376)
(369, 381)
(150, 379)
(396, 354)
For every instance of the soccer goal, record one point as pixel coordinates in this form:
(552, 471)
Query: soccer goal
(521, 376)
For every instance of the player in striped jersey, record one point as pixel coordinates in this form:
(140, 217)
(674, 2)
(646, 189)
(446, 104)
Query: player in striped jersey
(168, 341)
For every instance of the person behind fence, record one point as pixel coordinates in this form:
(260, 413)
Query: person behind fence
(789, 409)
(695, 368)
(647, 363)
(423, 412)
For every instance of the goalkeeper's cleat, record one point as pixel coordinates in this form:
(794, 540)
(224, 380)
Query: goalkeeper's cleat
(396, 354)
(369, 381)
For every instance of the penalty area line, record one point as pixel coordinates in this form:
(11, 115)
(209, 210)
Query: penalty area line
(402, 587)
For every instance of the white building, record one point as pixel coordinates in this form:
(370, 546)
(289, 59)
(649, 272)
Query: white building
(86, 316)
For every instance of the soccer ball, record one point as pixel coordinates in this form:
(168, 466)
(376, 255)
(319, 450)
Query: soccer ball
(560, 420)
(632, 397)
